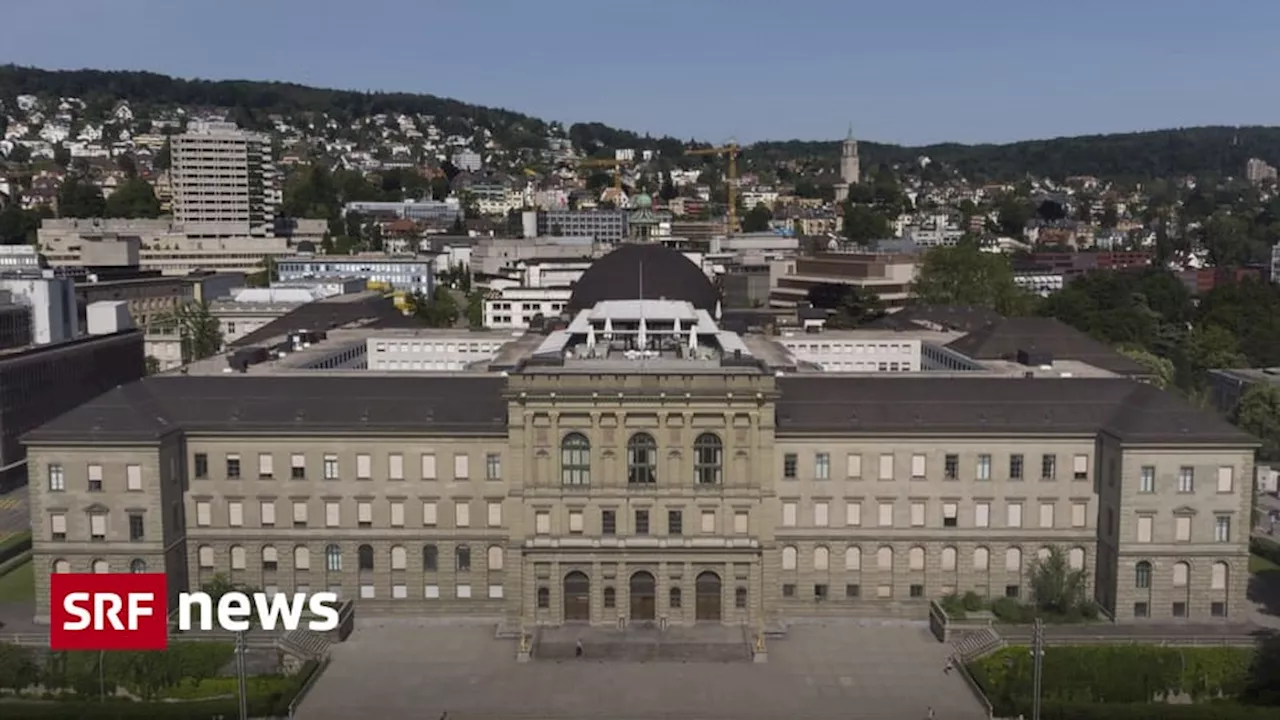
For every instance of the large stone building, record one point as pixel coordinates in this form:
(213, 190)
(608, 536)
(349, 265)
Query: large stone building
(642, 464)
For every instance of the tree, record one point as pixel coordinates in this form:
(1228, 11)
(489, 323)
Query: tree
(668, 191)
(18, 226)
(849, 306)
(863, 224)
(475, 309)
(199, 331)
(135, 198)
(757, 219)
(79, 198)
(1055, 586)
(1161, 369)
(1263, 687)
(18, 668)
(1258, 412)
(1050, 211)
(1110, 215)
(1012, 215)
(440, 310)
(19, 154)
(965, 275)
(164, 158)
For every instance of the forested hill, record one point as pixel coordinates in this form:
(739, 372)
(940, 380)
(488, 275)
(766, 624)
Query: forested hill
(1200, 151)
(1204, 151)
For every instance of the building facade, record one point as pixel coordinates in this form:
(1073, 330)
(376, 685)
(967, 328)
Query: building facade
(410, 273)
(224, 182)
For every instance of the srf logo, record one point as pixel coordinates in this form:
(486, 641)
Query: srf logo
(90, 611)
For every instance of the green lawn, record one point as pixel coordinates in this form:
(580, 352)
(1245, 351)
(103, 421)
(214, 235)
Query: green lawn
(19, 584)
(1259, 564)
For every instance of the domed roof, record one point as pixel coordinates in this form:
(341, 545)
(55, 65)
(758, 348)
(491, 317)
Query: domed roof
(642, 201)
(667, 275)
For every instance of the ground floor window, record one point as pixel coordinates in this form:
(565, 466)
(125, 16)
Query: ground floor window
(544, 598)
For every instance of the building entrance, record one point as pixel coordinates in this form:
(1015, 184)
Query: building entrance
(709, 593)
(644, 592)
(577, 597)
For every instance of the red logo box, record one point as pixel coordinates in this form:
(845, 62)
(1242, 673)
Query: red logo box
(90, 611)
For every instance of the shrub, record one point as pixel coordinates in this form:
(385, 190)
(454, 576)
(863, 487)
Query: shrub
(1010, 610)
(972, 601)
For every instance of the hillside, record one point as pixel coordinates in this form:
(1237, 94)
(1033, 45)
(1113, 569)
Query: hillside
(1162, 153)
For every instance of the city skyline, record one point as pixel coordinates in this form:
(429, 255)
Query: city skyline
(714, 70)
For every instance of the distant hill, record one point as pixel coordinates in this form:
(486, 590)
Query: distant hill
(1203, 151)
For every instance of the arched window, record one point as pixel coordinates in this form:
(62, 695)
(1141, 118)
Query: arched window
(430, 558)
(821, 558)
(1013, 560)
(1218, 580)
(333, 558)
(1043, 554)
(495, 557)
(270, 561)
(1075, 558)
(100, 566)
(853, 558)
(462, 555)
(915, 558)
(981, 559)
(675, 598)
(1181, 574)
(575, 460)
(61, 566)
(399, 558)
(1142, 575)
(301, 558)
(708, 459)
(642, 459)
(788, 558)
(239, 558)
(948, 558)
(544, 598)
(205, 555)
(364, 557)
(138, 565)
(884, 557)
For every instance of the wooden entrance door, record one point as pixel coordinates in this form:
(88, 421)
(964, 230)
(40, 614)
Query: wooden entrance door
(709, 593)
(577, 597)
(644, 593)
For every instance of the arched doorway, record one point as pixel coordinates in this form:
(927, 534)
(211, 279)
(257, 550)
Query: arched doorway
(577, 597)
(644, 592)
(707, 604)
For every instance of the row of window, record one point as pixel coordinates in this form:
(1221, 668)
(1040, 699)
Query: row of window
(886, 515)
(642, 459)
(331, 466)
(1219, 574)
(96, 478)
(398, 558)
(948, 558)
(1182, 525)
(982, 469)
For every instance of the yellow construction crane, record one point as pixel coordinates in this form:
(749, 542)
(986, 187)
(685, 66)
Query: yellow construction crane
(614, 163)
(730, 150)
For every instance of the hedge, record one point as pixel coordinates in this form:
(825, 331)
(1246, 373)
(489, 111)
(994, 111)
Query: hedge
(1140, 711)
(1262, 547)
(14, 546)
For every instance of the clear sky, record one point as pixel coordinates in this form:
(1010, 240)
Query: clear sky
(911, 72)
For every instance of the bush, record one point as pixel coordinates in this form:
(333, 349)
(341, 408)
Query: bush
(953, 606)
(973, 602)
(1139, 711)
(14, 546)
(1010, 610)
(1264, 548)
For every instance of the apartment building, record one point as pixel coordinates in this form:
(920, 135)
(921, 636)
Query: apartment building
(644, 465)
(224, 182)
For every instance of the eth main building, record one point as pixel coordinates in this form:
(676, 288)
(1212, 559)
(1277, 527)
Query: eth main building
(642, 463)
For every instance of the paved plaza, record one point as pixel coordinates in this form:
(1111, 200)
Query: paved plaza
(837, 670)
(14, 516)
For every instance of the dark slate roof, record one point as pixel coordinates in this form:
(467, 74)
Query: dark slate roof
(376, 311)
(1132, 411)
(1002, 341)
(666, 274)
(155, 406)
(963, 318)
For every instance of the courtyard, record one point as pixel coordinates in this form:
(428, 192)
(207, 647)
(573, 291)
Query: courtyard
(838, 669)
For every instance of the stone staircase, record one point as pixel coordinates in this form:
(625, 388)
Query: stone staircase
(684, 645)
(300, 646)
(977, 643)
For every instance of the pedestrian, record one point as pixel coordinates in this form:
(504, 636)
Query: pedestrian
(951, 662)
(578, 650)
(930, 715)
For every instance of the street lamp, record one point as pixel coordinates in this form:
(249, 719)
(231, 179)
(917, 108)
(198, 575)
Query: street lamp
(1037, 651)
(240, 676)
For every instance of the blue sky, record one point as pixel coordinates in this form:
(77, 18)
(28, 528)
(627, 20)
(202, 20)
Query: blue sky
(910, 72)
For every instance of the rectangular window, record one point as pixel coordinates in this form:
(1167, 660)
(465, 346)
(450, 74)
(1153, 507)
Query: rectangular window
(1046, 514)
(332, 514)
(709, 521)
(950, 513)
(461, 466)
(576, 524)
(788, 514)
(917, 514)
(95, 478)
(1147, 479)
(982, 514)
(821, 517)
(57, 480)
(495, 514)
(300, 514)
(233, 467)
(1141, 610)
(788, 590)
(822, 466)
(1226, 479)
(1144, 528)
(1080, 467)
(1013, 515)
(852, 591)
(951, 467)
(789, 466)
(1186, 479)
(675, 522)
(266, 466)
(395, 466)
(430, 514)
(916, 591)
(133, 478)
(1182, 528)
(885, 510)
(330, 467)
(608, 522)
(820, 591)
(428, 466)
(1180, 609)
(1222, 529)
(235, 514)
(918, 466)
(984, 467)
(1048, 467)
(204, 513)
(493, 467)
(201, 466)
(741, 522)
(397, 513)
(853, 466)
(886, 466)
(1218, 609)
(97, 526)
(1015, 467)
(297, 466)
(853, 513)
(364, 466)
(642, 522)
(1079, 515)
(58, 527)
(542, 522)
(462, 514)
(137, 528)
(364, 513)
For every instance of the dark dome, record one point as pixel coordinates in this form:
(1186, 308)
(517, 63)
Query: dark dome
(667, 275)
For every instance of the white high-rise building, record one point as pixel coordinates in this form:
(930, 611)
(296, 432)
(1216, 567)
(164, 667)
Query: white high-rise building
(224, 181)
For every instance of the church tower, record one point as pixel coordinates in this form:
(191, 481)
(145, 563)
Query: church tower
(850, 169)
